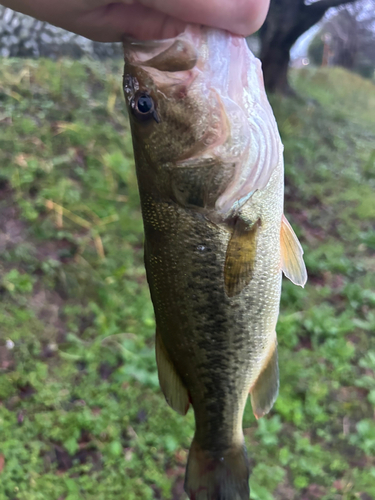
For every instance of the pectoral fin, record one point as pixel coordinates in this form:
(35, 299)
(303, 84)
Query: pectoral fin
(292, 263)
(173, 389)
(266, 388)
(240, 257)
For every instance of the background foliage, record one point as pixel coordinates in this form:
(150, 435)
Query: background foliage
(81, 414)
(347, 39)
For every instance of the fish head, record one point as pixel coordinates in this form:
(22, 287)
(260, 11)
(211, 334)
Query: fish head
(198, 108)
(172, 115)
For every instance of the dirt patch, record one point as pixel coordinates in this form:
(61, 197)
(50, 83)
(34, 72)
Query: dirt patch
(314, 491)
(47, 303)
(48, 306)
(65, 461)
(6, 356)
(285, 492)
(12, 229)
(62, 250)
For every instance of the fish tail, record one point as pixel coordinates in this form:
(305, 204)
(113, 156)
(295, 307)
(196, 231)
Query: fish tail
(217, 477)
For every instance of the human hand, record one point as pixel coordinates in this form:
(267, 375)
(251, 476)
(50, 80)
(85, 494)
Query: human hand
(104, 21)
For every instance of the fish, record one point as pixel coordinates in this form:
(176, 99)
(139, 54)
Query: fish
(209, 164)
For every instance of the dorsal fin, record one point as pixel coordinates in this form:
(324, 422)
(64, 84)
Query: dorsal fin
(292, 263)
(240, 257)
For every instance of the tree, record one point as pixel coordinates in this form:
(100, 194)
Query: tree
(287, 20)
(348, 36)
(352, 36)
(316, 49)
(23, 36)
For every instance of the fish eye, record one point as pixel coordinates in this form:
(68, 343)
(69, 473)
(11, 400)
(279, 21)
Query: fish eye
(145, 104)
(143, 107)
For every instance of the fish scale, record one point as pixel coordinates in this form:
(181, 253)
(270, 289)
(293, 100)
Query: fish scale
(216, 240)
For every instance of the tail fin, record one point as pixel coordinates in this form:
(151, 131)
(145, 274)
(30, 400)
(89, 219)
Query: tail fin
(224, 477)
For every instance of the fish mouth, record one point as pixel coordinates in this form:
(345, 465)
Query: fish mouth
(170, 55)
(166, 65)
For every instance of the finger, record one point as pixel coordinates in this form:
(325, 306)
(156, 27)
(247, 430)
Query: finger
(110, 23)
(242, 17)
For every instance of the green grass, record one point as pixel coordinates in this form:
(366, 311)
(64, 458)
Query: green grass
(81, 413)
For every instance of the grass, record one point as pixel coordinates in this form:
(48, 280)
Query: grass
(81, 413)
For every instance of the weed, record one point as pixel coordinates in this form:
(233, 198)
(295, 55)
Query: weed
(81, 413)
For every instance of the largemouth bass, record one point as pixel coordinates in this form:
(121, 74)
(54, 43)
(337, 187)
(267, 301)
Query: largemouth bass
(210, 172)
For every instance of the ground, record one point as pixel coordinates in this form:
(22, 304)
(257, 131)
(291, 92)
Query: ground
(81, 413)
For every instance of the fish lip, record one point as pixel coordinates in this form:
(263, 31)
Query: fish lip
(133, 47)
(170, 54)
(189, 32)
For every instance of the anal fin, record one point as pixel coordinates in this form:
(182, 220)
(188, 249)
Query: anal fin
(292, 263)
(266, 388)
(173, 389)
(240, 257)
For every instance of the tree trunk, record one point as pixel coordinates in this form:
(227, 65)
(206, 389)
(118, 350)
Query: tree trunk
(275, 64)
(287, 20)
